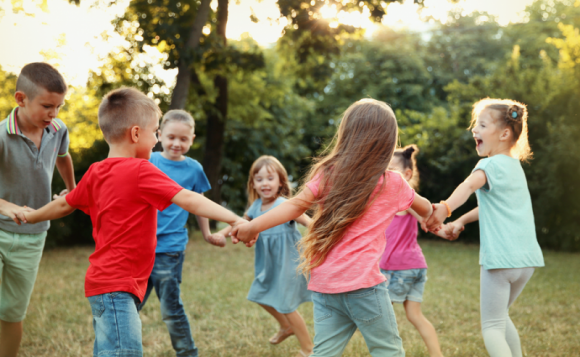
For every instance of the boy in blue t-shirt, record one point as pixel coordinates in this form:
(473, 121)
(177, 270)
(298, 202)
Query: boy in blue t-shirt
(176, 137)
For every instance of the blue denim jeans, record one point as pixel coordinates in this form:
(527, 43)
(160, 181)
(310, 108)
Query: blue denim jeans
(337, 316)
(117, 325)
(166, 278)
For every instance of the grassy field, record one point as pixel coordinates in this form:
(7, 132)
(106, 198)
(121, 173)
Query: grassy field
(224, 323)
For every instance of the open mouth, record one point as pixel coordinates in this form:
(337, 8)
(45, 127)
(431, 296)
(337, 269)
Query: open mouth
(478, 142)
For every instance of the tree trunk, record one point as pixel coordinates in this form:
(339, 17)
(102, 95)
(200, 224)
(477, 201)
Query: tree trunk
(216, 120)
(181, 90)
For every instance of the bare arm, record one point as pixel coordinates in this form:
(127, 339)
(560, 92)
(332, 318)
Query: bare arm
(65, 168)
(304, 220)
(469, 217)
(422, 207)
(54, 210)
(287, 211)
(200, 206)
(12, 211)
(472, 183)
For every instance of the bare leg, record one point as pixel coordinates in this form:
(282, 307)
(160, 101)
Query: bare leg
(299, 327)
(425, 328)
(281, 318)
(10, 336)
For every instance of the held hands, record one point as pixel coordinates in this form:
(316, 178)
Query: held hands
(15, 212)
(217, 239)
(437, 218)
(449, 231)
(244, 232)
(61, 194)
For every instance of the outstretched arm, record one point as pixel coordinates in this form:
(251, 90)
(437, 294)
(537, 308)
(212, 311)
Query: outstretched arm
(54, 210)
(195, 203)
(13, 211)
(287, 211)
(472, 183)
(422, 207)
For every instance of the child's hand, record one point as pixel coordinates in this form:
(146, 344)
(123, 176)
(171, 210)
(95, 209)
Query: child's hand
(217, 239)
(243, 232)
(16, 213)
(437, 218)
(453, 229)
(61, 194)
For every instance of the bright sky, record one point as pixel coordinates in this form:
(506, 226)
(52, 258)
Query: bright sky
(71, 35)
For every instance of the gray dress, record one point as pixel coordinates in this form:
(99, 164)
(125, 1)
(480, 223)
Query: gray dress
(276, 281)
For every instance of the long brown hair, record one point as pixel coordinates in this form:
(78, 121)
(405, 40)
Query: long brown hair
(508, 113)
(271, 163)
(359, 155)
(408, 158)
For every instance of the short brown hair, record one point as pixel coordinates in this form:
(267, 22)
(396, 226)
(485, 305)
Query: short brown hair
(508, 113)
(123, 108)
(40, 75)
(178, 115)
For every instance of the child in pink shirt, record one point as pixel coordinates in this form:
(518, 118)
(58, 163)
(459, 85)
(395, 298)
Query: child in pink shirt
(403, 263)
(354, 198)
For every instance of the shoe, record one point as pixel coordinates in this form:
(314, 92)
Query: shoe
(281, 335)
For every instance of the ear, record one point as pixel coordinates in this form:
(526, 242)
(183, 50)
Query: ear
(135, 133)
(20, 97)
(408, 174)
(505, 134)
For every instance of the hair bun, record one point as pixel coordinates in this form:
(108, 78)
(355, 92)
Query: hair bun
(515, 113)
(408, 151)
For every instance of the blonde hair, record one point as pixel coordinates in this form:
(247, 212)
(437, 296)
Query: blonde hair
(273, 163)
(408, 157)
(508, 113)
(123, 108)
(178, 115)
(359, 156)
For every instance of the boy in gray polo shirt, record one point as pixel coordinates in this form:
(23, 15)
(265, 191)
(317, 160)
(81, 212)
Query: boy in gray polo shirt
(32, 142)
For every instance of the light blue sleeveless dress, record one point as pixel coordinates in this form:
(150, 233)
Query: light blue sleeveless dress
(276, 281)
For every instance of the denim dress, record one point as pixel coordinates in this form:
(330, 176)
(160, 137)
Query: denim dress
(276, 280)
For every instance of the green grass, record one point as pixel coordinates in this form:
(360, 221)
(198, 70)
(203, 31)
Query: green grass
(224, 323)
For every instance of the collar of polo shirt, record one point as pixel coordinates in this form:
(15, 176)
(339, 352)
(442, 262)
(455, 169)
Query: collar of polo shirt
(12, 123)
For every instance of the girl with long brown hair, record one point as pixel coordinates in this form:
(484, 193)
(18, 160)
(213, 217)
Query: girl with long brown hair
(354, 198)
(277, 287)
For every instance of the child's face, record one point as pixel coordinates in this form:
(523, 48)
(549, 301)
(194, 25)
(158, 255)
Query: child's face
(176, 139)
(487, 134)
(397, 165)
(147, 138)
(40, 111)
(267, 183)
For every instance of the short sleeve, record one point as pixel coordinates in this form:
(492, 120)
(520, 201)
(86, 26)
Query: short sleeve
(486, 165)
(200, 181)
(79, 197)
(407, 195)
(251, 213)
(155, 187)
(313, 185)
(64, 142)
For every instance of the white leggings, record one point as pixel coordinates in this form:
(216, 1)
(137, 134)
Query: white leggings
(499, 290)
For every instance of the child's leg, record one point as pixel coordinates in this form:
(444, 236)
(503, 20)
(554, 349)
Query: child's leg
(333, 326)
(373, 313)
(425, 328)
(285, 328)
(499, 289)
(166, 278)
(20, 256)
(301, 331)
(117, 325)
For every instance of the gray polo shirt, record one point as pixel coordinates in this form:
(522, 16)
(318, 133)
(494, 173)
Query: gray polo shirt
(25, 171)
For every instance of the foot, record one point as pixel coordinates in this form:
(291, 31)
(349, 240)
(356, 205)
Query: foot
(303, 354)
(281, 335)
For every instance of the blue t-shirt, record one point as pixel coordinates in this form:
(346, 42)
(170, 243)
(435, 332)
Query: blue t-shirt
(172, 235)
(506, 219)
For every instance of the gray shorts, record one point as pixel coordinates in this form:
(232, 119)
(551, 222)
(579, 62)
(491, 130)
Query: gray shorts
(406, 284)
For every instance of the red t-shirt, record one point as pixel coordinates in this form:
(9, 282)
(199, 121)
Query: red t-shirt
(122, 196)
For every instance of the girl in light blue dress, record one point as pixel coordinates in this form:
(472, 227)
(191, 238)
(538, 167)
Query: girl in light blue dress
(277, 286)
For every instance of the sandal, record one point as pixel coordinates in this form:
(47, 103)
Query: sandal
(281, 335)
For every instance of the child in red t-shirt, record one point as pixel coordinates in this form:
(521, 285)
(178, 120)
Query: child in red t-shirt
(122, 195)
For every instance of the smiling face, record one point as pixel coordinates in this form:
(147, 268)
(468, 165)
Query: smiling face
(41, 110)
(267, 183)
(176, 138)
(487, 134)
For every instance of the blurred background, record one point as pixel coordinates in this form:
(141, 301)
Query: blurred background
(274, 76)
